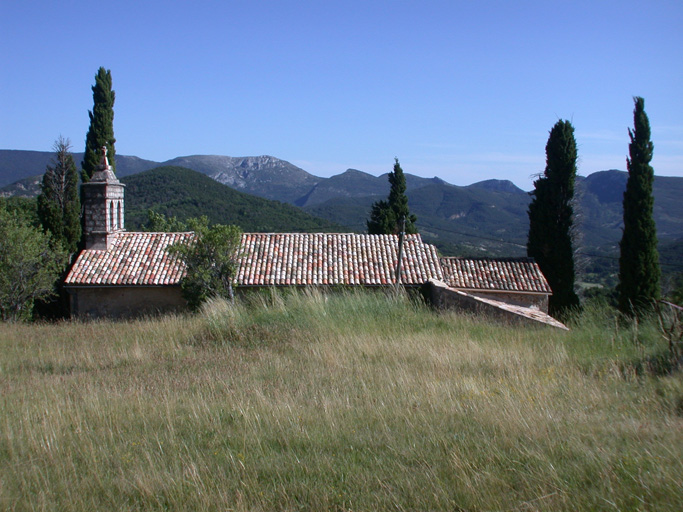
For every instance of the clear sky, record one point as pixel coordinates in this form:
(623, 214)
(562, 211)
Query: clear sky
(463, 90)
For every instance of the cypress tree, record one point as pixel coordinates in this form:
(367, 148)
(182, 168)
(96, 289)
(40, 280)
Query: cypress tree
(381, 219)
(385, 216)
(101, 131)
(639, 262)
(58, 203)
(551, 219)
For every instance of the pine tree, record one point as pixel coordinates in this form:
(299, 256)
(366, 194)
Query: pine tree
(101, 131)
(385, 216)
(639, 271)
(58, 203)
(551, 219)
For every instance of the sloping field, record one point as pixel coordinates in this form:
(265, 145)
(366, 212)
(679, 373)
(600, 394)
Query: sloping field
(347, 402)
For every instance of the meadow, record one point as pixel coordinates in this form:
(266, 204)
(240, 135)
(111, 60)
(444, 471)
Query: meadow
(355, 401)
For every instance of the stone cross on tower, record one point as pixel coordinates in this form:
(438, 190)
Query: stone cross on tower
(104, 162)
(102, 206)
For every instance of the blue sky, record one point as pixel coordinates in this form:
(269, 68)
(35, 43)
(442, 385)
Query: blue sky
(465, 91)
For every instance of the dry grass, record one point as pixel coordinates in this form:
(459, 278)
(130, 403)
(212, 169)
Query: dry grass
(352, 402)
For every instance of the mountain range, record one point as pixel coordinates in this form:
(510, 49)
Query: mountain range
(485, 218)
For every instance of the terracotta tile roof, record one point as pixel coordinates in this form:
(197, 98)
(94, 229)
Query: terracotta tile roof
(504, 274)
(328, 259)
(133, 259)
(266, 259)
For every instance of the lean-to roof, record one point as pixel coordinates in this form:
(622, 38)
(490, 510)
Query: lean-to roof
(495, 274)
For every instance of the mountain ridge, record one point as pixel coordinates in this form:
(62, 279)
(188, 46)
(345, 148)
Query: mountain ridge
(487, 217)
(183, 193)
(16, 164)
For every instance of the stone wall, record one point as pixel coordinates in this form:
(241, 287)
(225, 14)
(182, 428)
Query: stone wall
(443, 297)
(125, 301)
(527, 300)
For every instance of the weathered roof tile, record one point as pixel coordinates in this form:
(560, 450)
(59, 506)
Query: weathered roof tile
(265, 259)
(491, 274)
(134, 259)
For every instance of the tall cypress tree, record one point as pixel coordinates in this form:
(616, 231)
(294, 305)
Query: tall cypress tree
(58, 203)
(551, 219)
(385, 216)
(639, 262)
(101, 131)
(381, 219)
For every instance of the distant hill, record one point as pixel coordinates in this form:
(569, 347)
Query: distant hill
(183, 193)
(475, 219)
(354, 183)
(263, 176)
(601, 216)
(25, 187)
(17, 165)
(469, 220)
(489, 217)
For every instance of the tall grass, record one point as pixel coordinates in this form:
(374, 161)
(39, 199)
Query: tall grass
(352, 401)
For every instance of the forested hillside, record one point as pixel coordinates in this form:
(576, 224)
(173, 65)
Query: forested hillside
(182, 193)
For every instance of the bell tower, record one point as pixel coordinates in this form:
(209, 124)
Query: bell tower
(102, 206)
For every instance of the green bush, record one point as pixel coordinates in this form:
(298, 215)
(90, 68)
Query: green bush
(29, 266)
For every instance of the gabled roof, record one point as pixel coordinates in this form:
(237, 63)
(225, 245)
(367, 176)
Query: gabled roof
(490, 274)
(265, 259)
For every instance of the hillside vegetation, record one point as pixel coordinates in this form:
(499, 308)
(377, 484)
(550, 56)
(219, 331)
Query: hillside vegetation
(344, 402)
(183, 193)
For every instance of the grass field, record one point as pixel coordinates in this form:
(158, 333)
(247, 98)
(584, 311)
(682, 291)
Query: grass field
(347, 402)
